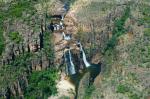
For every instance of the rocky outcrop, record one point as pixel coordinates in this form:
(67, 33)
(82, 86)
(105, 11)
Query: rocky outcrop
(16, 89)
(31, 42)
(84, 83)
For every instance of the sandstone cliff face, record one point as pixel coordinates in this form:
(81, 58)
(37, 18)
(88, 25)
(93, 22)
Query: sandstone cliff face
(38, 62)
(15, 63)
(30, 53)
(93, 23)
(95, 41)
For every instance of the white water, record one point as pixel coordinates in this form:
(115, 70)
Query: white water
(66, 37)
(61, 23)
(58, 27)
(67, 71)
(62, 18)
(87, 64)
(55, 28)
(70, 68)
(72, 65)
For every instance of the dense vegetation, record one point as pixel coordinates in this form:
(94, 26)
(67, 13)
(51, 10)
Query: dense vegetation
(16, 9)
(16, 37)
(1, 40)
(48, 45)
(9, 73)
(2, 17)
(42, 84)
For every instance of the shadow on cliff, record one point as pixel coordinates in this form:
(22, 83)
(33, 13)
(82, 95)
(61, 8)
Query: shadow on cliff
(68, 4)
(94, 71)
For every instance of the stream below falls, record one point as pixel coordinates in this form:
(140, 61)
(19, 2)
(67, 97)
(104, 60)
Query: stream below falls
(74, 76)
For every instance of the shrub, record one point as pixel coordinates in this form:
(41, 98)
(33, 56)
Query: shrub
(14, 36)
(10, 73)
(88, 91)
(133, 96)
(2, 45)
(16, 9)
(48, 46)
(42, 84)
(147, 32)
(126, 90)
(145, 10)
(122, 88)
(118, 29)
(64, 97)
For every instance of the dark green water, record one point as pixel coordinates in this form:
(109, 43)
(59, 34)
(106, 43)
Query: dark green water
(94, 71)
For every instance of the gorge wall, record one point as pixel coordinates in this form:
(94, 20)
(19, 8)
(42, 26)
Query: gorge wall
(114, 35)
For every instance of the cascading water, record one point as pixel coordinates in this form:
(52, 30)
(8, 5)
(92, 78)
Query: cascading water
(66, 37)
(74, 76)
(70, 66)
(87, 64)
(62, 17)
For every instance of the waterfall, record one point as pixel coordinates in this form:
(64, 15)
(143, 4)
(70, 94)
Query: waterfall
(61, 23)
(58, 27)
(70, 69)
(87, 64)
(66, 60)
(55, 27)
(66, 37)
(62, 17)
(72, 65)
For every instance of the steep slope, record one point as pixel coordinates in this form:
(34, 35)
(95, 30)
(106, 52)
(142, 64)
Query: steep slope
(26, 50)
(117, 35)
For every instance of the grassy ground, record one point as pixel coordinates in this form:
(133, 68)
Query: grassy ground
(92, 10)
(126, 68)
(118, 29)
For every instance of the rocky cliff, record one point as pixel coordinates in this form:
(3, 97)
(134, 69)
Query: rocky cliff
(25, 49)
(114, 35)
(117, 38)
